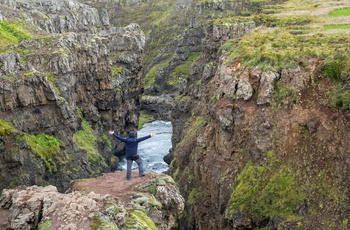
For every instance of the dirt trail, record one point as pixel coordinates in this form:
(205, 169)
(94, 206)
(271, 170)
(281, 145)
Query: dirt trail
(113, 183)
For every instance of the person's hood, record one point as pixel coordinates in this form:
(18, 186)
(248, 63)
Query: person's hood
(132, 134)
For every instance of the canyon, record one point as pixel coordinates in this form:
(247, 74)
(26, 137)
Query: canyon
(258, 99)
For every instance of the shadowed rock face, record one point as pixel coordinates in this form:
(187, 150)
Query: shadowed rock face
(68, 82)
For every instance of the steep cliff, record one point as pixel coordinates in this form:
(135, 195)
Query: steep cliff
(262, 130)
(67, 77)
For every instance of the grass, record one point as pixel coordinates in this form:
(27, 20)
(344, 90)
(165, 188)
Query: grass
(6, 128)
(86, 139)
(13, 32)
(340, 12)
(194, 127)
(181, 71)
(46, 147)
(278, 49)
(144, 118)
(266, 191)
(337, 27)
(150, 76)
(46, 225)
(282, 92)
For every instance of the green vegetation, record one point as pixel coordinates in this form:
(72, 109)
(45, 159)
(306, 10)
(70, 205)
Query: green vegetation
(195, 196)
(45, 225)
(13, 32)
(139, 220)
(230, 21)
(340, 12)
(117, 70)
(105, 140)
(144, 118)
(337, 71)
(282, 92)
(86, 140)
(278, 49)
(340, 98)
(337, 27)
(193, 127)
(6, 128)
(46, 147)
(181, 71)
(285, 21)
(29, 74)
(150, 76)
(152, 190)
(96, 223)
(266, 191)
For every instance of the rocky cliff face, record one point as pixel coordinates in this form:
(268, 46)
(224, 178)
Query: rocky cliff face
(259, 148)
(63, 90)
(106, 202)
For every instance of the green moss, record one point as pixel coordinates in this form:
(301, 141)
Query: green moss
(96, 223)
(105, 140)
(114, 209)
(114, 160)
(152, 190)
(46, 147)
(150, 76)
(266, 191)
(144, 118)
(181, 71)
(117, 70)
(139, 220)
(29, 74)
(182, 99)
(86, 139)
(193, 126)
(13, 32)
(6, 128)
(46, 225)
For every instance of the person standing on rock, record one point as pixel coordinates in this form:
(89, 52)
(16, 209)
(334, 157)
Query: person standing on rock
(131, 144)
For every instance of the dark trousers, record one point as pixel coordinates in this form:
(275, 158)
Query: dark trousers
(128, 167)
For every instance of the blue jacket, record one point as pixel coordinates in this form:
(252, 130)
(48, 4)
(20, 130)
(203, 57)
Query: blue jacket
(131, 143)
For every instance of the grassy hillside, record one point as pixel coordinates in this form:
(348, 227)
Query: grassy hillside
(295, 32)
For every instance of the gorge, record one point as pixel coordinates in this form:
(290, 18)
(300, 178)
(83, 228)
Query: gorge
(257, 91)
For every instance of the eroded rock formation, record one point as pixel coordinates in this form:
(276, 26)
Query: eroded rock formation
(66, 89)
(106, 202)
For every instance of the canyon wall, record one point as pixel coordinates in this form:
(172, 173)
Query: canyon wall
(62, 90)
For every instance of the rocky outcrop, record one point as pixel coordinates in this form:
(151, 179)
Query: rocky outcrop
(151, 204)
(63, 92)
(252, 141)
(57, 16)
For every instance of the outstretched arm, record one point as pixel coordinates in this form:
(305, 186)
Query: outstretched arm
(145, 137)
(117, 136)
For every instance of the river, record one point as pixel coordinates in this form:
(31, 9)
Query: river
(153, 149)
